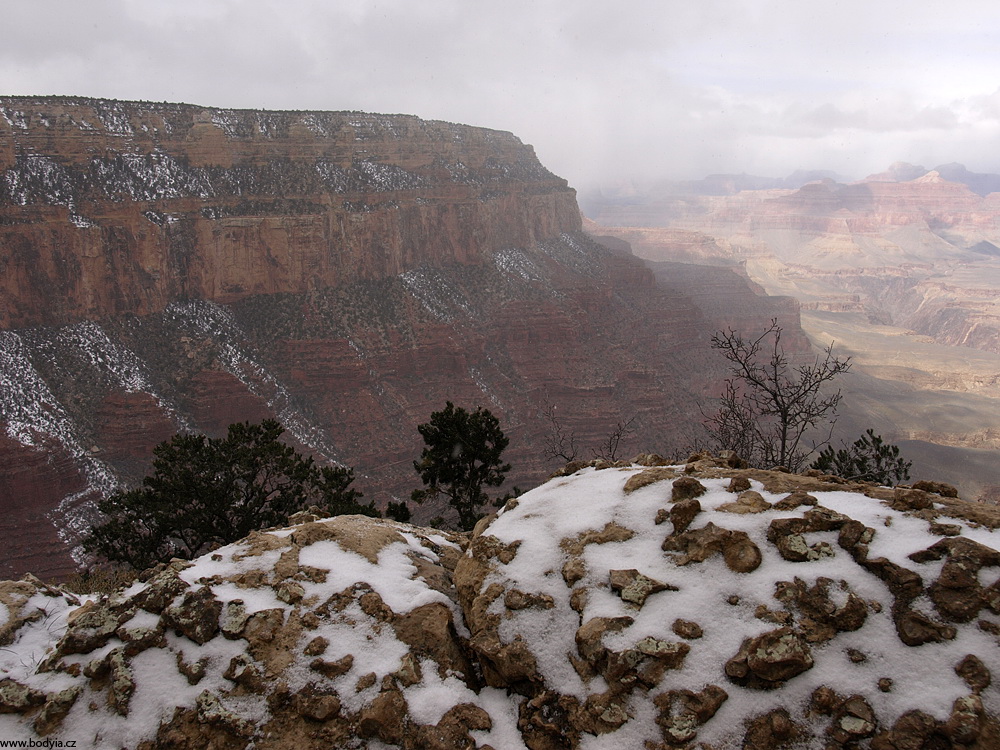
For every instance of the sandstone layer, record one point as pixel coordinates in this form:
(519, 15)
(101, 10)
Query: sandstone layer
(632, 605)
(112, 207)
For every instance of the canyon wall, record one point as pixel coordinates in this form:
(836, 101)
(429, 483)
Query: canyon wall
(172, 268)
(109, 208)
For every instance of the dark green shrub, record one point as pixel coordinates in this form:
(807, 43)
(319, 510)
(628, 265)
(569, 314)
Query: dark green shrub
(866, 459)
(462, 455)
(207, 492)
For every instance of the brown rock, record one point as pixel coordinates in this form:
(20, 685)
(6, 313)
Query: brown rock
(196, 616)
(741, 554)
(974, 672)
(234, 619)
(589, 636)
(211, 711)
(739, 551)
(18, 698)
(634, 587)
(937, 488)
(55, 709)
(795, 500)
(945, 529)
(612, 532)
(824, 701)
(315, 705)
(649, 459)
(262, 626)
(686, 487)
(648, 477)
(738, 485)
(332, 669)
(385, 718)
(682, 712)
(775, 729)
(748, 502)
(245, 673)
(573, 570)
(778, 617)
(966, 722)
(687, 629)
(429, 630)
(915, 628)
(770, 659)
(545, 722)
(683, 513)
(516, 599)
(852, 721)
(507, 665)
(316, 646)
(904, 499)
(912, 730)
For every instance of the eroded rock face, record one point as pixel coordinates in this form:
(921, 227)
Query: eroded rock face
(346, 273)
(571, 619)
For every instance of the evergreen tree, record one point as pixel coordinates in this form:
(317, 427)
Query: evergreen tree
(462, 455)
(207, 492)
(868, 459)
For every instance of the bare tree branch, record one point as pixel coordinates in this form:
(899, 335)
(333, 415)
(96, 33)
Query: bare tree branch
(609, 448)
(768, 406)
(558, 442)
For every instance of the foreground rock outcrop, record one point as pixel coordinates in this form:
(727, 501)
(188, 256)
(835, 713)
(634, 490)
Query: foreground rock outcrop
(615, 606)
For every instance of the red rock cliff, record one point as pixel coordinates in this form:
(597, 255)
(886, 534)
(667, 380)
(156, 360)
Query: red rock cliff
(179, 268)
(118, 207)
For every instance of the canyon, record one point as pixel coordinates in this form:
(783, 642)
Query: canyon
(900, 269)
(169, 267)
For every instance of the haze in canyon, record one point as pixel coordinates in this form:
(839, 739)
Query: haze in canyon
(901, 270)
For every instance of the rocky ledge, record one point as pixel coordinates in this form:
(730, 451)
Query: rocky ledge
(635, 605)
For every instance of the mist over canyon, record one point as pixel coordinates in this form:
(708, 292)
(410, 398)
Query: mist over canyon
(901, 269)
(171, 267)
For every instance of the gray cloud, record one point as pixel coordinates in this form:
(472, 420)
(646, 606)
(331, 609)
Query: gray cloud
(647, 89)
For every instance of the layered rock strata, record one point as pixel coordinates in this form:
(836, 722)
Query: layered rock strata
(631, 605)
(171, 268)
(124, 207)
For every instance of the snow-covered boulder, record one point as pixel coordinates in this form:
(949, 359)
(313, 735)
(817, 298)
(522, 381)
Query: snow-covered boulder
(614, 607)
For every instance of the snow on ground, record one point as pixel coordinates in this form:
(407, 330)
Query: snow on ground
(338, 624)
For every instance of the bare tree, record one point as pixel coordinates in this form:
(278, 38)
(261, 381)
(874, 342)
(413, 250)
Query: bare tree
(609, 448)
(769, 405)
(559, 442)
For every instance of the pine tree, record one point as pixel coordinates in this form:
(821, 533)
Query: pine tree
(462, 455)
(207, 492)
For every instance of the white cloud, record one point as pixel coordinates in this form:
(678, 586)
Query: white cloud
(604, 91)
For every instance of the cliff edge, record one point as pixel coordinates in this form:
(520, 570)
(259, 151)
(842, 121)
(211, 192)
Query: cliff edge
(634, 605)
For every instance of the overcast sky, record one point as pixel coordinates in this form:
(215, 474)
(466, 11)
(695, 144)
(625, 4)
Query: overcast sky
(605, 91)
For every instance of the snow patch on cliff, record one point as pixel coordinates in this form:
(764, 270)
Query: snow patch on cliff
(218, 324)
(437, 294)
(33, 416)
